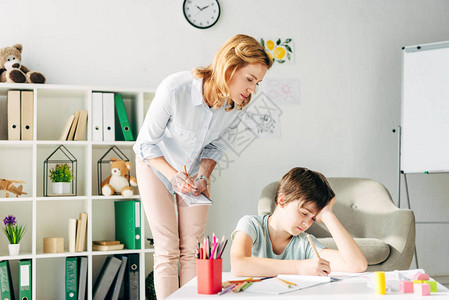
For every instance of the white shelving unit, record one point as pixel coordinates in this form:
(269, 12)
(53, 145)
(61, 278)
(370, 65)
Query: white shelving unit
(48, 216)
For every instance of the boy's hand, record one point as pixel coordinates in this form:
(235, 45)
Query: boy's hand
(314, 266)
(326, 210)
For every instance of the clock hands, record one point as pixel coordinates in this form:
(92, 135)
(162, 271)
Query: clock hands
(201, 8)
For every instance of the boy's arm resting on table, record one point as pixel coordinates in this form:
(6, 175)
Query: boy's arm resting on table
(348, 257)
(243, 264)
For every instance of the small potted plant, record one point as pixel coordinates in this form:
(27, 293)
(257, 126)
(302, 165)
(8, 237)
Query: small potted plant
(14, 232)
(61, 176)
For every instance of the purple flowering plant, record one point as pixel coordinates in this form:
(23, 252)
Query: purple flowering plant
(13, 231)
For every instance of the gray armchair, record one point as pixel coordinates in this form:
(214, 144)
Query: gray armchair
(385, 233)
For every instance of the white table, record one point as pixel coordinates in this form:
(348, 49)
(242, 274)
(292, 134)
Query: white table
(352, 288)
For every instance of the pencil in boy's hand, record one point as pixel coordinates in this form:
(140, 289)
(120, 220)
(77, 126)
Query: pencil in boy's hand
(185, 170)
(313, 246)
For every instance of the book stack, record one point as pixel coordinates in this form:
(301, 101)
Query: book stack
(110, 118)
(107, 245)
(119, 276)
(77, 233)
(75, 127)
(75, 278)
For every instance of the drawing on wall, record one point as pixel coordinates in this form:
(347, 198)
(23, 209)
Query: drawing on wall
(280, 51)
(261, 120)
(282, 91)
(263, 117)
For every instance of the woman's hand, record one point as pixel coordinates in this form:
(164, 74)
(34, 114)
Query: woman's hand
(183, 183)
(326, 210)
(201, 187)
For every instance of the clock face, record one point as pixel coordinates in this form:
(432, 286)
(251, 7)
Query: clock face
(201, 13)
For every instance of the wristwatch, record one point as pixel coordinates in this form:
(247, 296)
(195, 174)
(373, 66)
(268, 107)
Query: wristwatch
(202, 177)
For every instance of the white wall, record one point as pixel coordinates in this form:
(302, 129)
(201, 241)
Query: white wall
(348, 61)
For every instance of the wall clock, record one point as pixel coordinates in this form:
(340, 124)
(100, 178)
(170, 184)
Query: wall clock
(201, 13)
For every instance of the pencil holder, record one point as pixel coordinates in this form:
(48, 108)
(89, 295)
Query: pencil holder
(208, 272)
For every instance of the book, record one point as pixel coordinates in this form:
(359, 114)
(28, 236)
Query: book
(106, 242)
(6, 285)
(106, 277)
(107, 247)
(123, 118)
(73, 127)
(80, 242)
(72, 234)
(66, 130)
(82, 278)
(26, 115)
(132, 283)
(117, 285)
(127, 223)
(71, 278)
(25, 279)
(81, 126)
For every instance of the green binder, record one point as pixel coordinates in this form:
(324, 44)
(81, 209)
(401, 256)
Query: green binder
(6, 287)
(71, 278)
(127, 223)
(25, 279)
(123, 118)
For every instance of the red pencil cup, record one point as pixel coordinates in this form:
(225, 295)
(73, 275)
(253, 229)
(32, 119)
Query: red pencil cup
(208, 272)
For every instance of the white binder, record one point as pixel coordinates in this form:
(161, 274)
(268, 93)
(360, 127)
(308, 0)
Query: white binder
(108, 117)
(97, 117)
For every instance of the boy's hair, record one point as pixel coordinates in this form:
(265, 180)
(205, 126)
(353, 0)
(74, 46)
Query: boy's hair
(237, 52)
(305, 185)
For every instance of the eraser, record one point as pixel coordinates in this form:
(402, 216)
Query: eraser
(421, 289)
(433, 286)
(421, 276)
(406, 287)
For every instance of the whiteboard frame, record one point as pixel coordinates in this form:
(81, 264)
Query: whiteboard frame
(406, 50)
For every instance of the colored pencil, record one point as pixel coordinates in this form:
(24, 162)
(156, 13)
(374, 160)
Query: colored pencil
(227, 289)
(246, 286)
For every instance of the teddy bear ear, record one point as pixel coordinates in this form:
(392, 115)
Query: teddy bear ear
(128, 165)
(113, 159)
(18, 47)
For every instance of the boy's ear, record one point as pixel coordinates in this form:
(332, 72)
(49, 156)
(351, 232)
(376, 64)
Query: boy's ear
(281, 200)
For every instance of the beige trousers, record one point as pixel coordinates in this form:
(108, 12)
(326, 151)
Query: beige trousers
(175, 230)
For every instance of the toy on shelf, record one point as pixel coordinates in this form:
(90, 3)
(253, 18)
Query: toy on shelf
(119, 182)
(12, 70)
(7, 185)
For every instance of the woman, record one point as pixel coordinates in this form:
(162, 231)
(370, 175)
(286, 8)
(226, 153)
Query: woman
(178, 147)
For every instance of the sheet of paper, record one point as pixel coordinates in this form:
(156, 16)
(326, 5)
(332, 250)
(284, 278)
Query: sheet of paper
(192, 200)
(273, 286)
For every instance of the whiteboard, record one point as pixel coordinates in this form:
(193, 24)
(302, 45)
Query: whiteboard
(425, 108)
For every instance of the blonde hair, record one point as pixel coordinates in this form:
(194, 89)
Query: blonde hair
(237, 52)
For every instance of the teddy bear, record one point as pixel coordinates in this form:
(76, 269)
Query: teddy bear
(117, 182)
(12, 70)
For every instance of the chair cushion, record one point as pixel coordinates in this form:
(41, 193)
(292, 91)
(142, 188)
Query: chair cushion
(376, 251)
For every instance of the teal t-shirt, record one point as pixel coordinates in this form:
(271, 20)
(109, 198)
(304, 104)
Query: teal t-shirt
(257, 228)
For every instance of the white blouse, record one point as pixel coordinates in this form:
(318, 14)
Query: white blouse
(180, 126)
